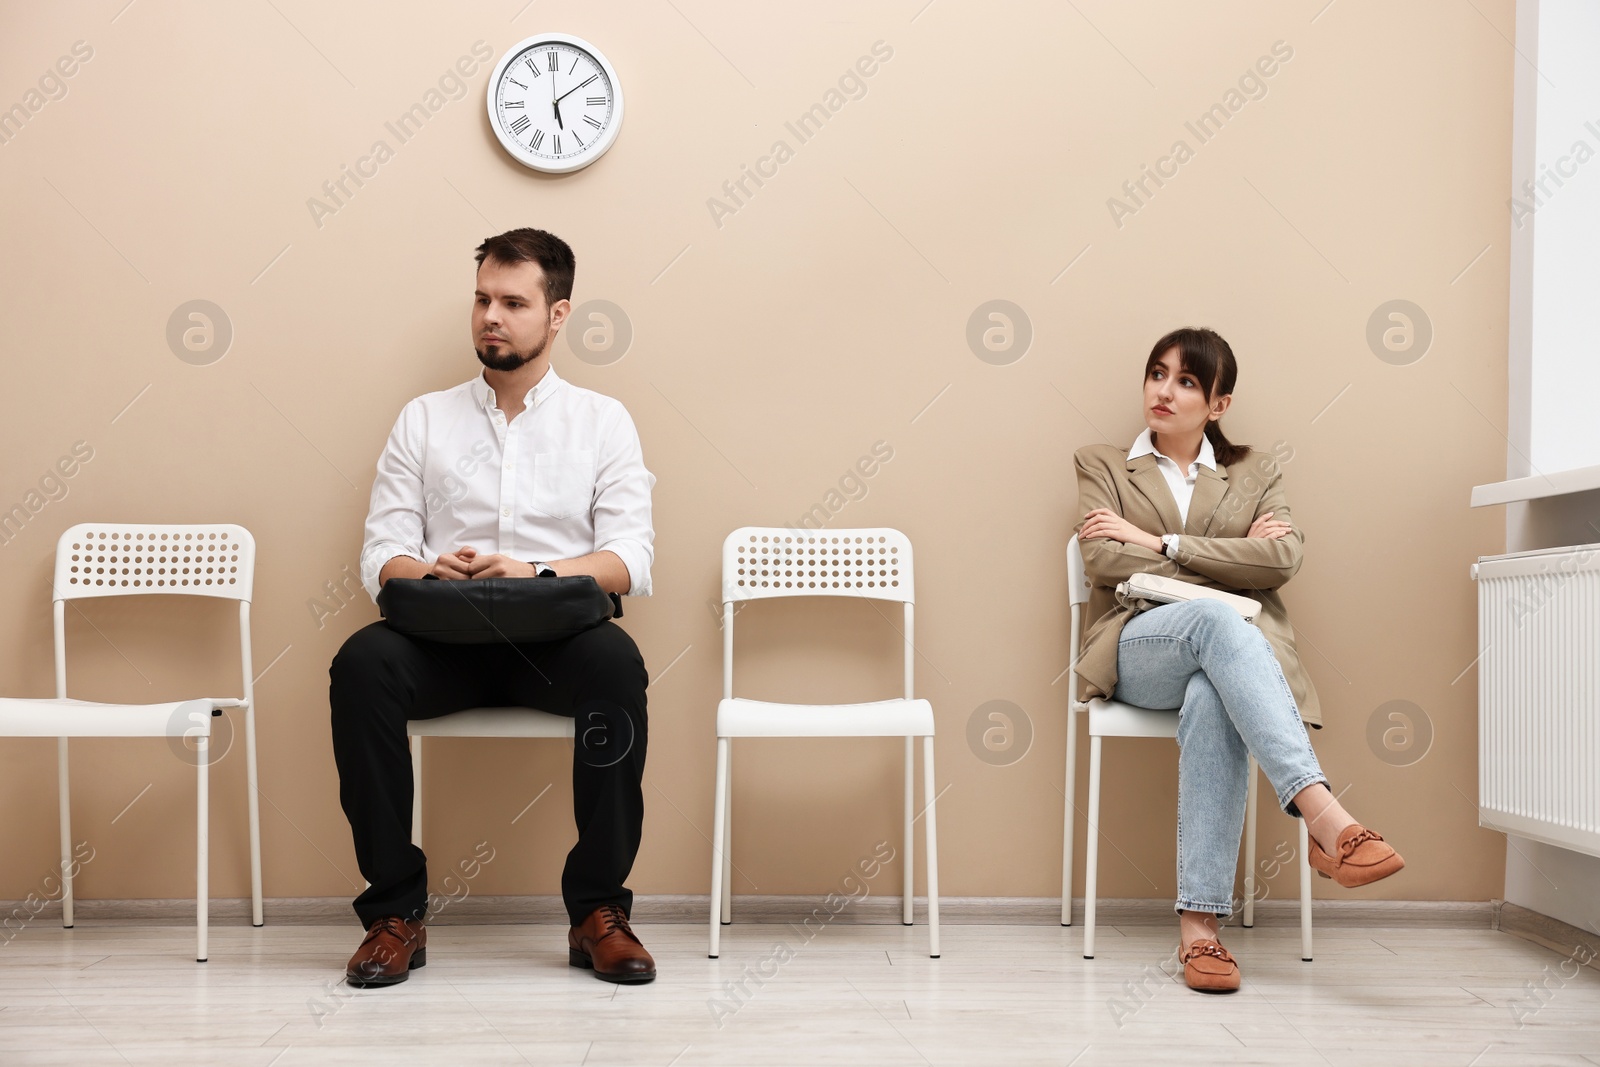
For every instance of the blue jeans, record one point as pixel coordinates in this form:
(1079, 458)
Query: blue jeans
(1202, 657)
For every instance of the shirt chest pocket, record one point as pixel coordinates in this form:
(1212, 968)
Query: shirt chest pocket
(563, 483)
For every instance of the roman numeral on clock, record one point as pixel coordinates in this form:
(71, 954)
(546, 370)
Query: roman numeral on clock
(528, 62)
(538, 139)
(556, 144)
(555, 62)
(512, 103)
(521, 123)
(590, 120)
(595, 101)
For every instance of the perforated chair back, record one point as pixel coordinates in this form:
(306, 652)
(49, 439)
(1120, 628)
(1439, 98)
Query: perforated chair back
(99, 559)
(120, 559)
(1077, 579)
(770, 561)
(1077, 597)
(762, 562)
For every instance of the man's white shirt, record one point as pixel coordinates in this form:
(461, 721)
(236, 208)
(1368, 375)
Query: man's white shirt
(565, 478)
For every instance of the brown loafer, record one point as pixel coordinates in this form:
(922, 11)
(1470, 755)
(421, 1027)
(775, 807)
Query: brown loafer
(606, 944)
(1207, 968)
(393, 946)
(1363, 857)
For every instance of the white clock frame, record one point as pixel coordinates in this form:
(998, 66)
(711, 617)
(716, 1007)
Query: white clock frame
(520, 151)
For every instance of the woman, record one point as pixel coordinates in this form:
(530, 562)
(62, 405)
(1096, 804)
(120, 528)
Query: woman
(1187, 503)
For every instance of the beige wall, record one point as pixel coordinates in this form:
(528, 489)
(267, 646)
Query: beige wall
(770, 352)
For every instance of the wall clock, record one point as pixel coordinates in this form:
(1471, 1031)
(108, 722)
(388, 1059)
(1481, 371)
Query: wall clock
(555, 103)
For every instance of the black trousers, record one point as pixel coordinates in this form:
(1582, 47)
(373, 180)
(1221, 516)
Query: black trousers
(379, 679)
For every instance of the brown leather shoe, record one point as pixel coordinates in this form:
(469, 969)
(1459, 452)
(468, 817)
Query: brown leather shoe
(1207, 968)
(1363, 858)
(393, 946)
(606, 944)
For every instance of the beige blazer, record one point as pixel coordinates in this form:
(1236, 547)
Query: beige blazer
(1213, 551)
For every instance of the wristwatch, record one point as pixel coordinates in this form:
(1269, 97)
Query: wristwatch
(1168, 543)
(543, 570)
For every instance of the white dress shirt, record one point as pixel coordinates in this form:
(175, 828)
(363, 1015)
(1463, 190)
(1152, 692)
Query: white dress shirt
(565, 478)
(1180, 481)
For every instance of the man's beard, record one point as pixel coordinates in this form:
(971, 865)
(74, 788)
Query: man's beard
(506, 359)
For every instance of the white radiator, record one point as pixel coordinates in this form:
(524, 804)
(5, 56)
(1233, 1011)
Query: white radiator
(1539, 695)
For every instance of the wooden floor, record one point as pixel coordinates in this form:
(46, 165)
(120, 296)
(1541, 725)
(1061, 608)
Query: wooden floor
(117, 992)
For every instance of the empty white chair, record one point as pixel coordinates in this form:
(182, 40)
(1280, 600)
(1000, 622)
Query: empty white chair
(760, 563)
(138, 559)
(476, 722)
(1112, 718)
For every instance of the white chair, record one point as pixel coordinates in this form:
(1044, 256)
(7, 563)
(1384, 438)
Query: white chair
(1112, 718)
(476, 722)
(759, 563)
(137, 559)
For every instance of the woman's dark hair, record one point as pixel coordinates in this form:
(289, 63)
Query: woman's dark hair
(1203, 353)
(553, 255)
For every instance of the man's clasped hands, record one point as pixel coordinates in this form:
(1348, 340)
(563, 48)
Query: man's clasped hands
(465, 562)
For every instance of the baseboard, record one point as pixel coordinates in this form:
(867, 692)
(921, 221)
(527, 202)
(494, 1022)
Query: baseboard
(478, 910)
(1325, 914)
(1577, 944)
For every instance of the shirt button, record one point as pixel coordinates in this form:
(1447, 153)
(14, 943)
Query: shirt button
(505, 511)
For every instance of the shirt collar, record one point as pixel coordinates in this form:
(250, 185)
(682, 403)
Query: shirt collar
(534, 397)
(1145, 445)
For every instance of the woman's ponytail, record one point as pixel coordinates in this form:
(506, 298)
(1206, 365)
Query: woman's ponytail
(1226, 451)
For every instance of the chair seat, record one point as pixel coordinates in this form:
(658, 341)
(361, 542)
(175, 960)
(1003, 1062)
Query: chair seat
(493, 722)
(1112, 718)
(50, 717)
(737, 717)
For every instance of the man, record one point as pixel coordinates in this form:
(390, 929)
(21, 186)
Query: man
(515, 473)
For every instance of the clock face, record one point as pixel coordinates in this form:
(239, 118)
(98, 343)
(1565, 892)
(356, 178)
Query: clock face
(555, 103)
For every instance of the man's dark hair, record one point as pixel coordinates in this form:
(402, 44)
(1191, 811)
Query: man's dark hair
(526, 244)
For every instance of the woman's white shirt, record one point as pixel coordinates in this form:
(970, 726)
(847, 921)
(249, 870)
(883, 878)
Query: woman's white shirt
(1181, 482)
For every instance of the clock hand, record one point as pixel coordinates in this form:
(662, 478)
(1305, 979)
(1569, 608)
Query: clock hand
(555, 102)
(575, 88)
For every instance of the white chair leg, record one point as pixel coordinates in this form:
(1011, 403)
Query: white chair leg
(256, 917)
(727, 840)
(416, 791)
(1305, 892)
(65, 792)
(718, 828)
(930, 794)
(1069, 818)
(202, 870)
(1091, 867)
(908, 876)
(1250, 848)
